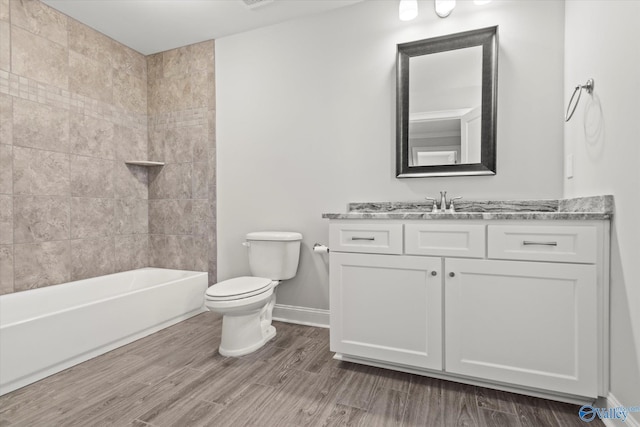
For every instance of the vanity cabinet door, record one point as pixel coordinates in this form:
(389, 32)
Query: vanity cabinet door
(387, 308)
(526, 323)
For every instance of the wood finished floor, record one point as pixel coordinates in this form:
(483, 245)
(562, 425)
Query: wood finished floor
(177, 378)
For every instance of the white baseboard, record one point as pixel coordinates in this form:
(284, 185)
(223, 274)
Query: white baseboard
(301, 315)
(632, 418)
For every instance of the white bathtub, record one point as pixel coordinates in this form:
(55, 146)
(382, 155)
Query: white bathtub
(46, 330)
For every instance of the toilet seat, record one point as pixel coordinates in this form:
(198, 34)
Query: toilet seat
(238, 288)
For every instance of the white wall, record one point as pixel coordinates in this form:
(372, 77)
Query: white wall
(603, 42)
(306, 122)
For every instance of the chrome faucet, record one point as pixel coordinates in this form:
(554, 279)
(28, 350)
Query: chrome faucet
(452, 208)
(443, 201)
(434, 207)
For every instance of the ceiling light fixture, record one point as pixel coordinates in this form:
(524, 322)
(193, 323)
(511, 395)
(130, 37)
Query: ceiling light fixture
(408, 10)
(444, 7)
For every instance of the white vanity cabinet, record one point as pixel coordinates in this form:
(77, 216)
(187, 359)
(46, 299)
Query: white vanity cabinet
(517, 305)
(384, 306)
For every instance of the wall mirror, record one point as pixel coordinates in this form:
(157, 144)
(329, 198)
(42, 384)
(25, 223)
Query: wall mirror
(446, 105)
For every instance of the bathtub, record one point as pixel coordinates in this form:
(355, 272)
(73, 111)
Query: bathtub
(46, 330)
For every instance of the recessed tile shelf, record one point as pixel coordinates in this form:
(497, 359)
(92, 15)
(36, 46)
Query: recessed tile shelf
(143, 163)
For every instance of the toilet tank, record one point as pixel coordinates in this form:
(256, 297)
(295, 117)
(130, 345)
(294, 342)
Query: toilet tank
(274, 254)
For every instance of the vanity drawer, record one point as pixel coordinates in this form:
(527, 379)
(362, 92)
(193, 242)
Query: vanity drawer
(366, 238)
(543, 243)
(459, 240)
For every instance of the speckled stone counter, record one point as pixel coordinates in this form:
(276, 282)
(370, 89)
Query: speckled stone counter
(583, 208)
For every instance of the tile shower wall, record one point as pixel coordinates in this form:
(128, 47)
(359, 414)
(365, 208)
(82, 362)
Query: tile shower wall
(181, 107)
(73, 107)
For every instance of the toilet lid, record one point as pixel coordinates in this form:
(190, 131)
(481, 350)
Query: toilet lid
(239, 287)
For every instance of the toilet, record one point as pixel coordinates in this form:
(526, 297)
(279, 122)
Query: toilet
(246, 303)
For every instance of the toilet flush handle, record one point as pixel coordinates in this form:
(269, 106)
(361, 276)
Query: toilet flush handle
(247, 244)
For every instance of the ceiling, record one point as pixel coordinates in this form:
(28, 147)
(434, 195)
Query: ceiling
(151, 26)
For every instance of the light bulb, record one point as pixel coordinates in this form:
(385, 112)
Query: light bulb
(408, 10)
(444, 7)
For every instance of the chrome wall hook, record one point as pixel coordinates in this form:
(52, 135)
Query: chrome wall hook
(588, 86)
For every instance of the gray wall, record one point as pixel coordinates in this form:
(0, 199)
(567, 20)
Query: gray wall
(306, 122)
(603, 137)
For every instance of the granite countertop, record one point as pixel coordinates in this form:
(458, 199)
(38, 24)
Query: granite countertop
(582, 208)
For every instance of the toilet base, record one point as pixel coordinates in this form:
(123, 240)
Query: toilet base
(234, 349)
(246, 333)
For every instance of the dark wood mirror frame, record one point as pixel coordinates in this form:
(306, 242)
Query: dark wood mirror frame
(488, 39)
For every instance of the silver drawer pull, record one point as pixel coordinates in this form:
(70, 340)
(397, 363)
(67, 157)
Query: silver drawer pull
(363, 238)
(529, 243)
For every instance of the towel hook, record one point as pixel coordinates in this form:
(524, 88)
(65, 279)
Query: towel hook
(589, 87)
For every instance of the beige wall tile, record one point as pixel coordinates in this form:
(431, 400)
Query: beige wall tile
(169, 216)
(200, 136)
(41, 264)
(157, 136)
(6, 219)
(93, 137)
(199, 176)
(202, 218)
(178, 144)
(172, 181)
(131, 216)
(131, 252)
(154, 67)
(90, 43)
(91, 177)
(197, 139)
(199, 91)
(128, 60)
(5, 46)
(41, 126)
(188, 59)
(6, 169)
(171, 251)
(39, 172)
(41, 218)
(6, 119)
(129, 92)
(38, 58)
(108, 217)
(6, 269)
(131, 143)
(199, 254)
(4, 10)
(177, 93)
(130, 181)
(40, 19)
(91, 218)
(90, 78)
(92, 258)
(211, 91)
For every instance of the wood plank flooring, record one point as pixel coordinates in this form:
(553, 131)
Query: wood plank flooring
(176, 377)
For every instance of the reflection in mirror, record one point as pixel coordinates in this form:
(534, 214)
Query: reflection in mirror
(447, 105)
(445, 93)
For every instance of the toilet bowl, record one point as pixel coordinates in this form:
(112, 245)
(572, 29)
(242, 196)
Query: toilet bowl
(246, 303)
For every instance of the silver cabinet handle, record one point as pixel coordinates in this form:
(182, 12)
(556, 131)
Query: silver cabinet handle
(434, 273)
(529, 243)
(452, 274)
(363, 238)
